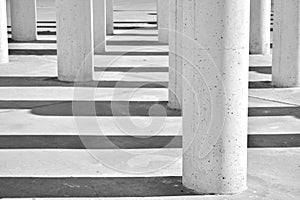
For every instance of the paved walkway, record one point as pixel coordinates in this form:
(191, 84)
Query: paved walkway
(43, 144)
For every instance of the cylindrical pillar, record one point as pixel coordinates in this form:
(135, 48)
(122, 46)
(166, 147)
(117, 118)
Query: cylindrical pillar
(286, 45)
(8, 12)
(3, 33)
(260, 24)
(163, 20)
(23, 20)
(175, 55)
(215, 100)
(99, 25)
(110, 17)
(75, 40)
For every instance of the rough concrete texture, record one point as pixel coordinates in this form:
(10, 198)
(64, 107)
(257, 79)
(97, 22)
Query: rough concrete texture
(215, 96)
(43, 155)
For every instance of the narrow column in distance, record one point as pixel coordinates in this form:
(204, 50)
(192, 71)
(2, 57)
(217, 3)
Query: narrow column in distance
(163, 7)
(23, 20)
(3, 33)
(286, 45)
(110, 17)
(75, 40)
(99, 20)
(175, 54)
(260, 25)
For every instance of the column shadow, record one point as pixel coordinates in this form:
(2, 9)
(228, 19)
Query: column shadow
(54, 82)
(93, 187)
(90, 108)
(94, 142)
(274, 111)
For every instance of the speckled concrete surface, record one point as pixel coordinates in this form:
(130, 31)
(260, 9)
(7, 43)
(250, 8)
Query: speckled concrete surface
(31, 117)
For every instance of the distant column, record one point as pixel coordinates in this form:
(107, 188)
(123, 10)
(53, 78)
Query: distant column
(260, 24)
(99, 25)
(3, 33)
(75, 40)
(286, 48)
(175, 55)
(215, 103)
(163, 20)
(23, 20)
(110, 17)
(8, 12)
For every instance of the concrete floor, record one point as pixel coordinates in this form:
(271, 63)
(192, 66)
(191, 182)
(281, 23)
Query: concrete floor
(42, 145)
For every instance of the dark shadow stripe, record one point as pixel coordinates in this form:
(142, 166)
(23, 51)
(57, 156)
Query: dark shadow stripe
(88, 142)
(46, 32)
(134, 27)
(41, 32)
(274, 141)
(92, 187)
(54, 52)
(135, 34)
(128, 84)
(10, 40)
(132, 69)
(27, 104)
(136, 53)
(54, 82)
(90, 108)
(135, 22)
(134, 43)
(274, 111)
(35, 52)
(130, 142)
(127, 10)
(52, 26)
(117, 108)
(260, 84)
(261, 69)
(46, 22)
(41, 26)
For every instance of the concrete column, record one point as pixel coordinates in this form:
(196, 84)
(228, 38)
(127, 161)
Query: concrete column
(99, 25)
(260, 24)
(286, 48)
(23, 20)
(3, 33)
(215, 100)
(75, 40)
(109, 17)
(8, 12)
(163, 20)
(175, 55)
